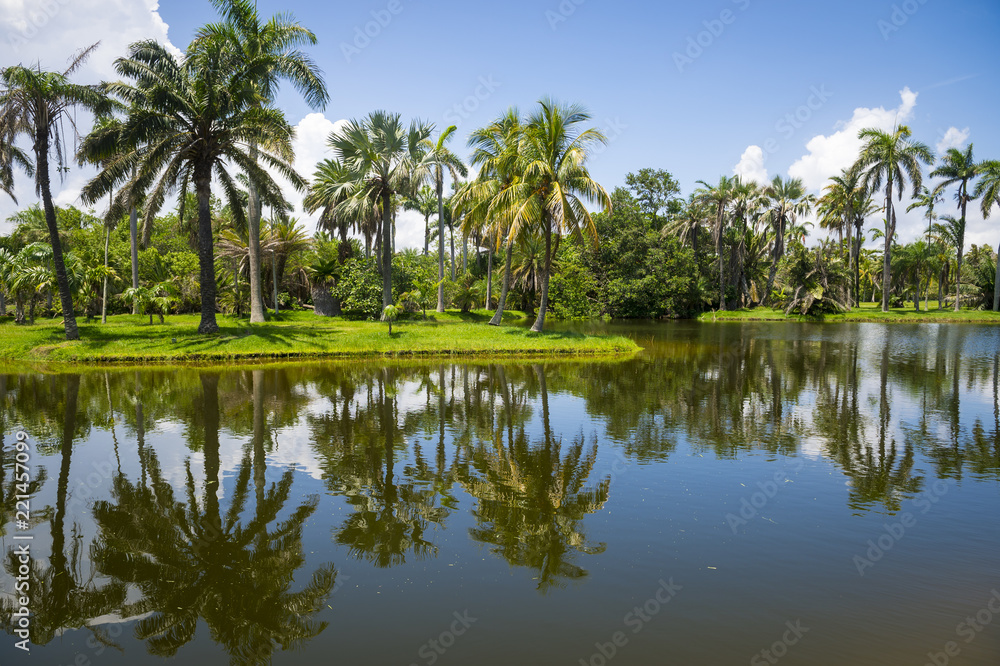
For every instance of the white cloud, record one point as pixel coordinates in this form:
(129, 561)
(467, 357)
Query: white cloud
(51, 32)
(751, 166)
(829, 154)
(953, 138)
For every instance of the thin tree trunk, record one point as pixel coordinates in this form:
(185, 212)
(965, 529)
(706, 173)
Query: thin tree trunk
(206, 251)
(451, 236)
(440, 195)
(961, 248)
(546, 270)
(505, 286)
(386, 250)
(274, 275)
(427, 234)
(104, 296)
(133, 233)
(465, 255)
(65, 295)
(489, 278)
(253, 222)
(890, 231)
(996, 284)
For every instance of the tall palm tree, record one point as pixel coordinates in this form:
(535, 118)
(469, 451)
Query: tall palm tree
(436, 160)
(927, 200)
(35, 103)
(789, 201)
(958, 168)
(189, 121)
(556, 149)
(718, 198)
(266, 52)
(488, 200)
(381, 156)
(988, 190)
(890, 158)
(425, 203)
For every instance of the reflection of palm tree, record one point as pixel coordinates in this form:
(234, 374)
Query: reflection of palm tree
(190, 562)
(532, 499)
(58, 599)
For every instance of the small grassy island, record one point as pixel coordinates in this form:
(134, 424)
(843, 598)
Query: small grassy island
(865, 312)
(292, 335)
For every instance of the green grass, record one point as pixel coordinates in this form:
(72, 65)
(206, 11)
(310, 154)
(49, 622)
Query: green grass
(866, 312)
(298, 335)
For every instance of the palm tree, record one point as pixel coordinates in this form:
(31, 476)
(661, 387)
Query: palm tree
(958, 168)
(266, 53)
(890, 158)
(788, 201)
(489, 200)
(718, 198)
(35, 102)
(436, 160)
(928, 200)
(989, 189)
(380, 156)
(555, 176)
(188, 121)
(424, 202)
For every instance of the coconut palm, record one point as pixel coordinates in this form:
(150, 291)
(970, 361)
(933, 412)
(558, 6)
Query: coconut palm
(380, 156)
(266, 53)
(437, 159)
(890, 158)
(988, 190)
(35, 103)
(789, 201)
(958, 168)
(927, 200)
(189, 121)
(718, 198)
(490, 201)
(556, 148)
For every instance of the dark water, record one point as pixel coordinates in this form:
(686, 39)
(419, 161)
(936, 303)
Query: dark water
(737, 494)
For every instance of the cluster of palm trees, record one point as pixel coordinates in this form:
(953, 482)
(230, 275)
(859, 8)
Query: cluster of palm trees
(751, 224)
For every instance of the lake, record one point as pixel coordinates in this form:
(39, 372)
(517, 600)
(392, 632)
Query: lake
(737, 493)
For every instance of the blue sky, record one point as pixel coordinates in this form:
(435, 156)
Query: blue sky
(699, 89)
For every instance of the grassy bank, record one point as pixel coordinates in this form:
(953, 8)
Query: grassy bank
(866, 312)
(131, 339)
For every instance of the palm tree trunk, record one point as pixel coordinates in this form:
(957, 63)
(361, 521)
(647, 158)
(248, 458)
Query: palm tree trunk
(133, 233)
(274, 276)
(386, 250)
(465, 255)
(489, 277)
(104, 295)
(996, 284)
(65, 296)
(451, 235)
(961, 247)
(505, 286)
(546, 270)
(941, 280)
(427, 233)
(253, 221)
(439, 184)
(206, 250)
(890, 231)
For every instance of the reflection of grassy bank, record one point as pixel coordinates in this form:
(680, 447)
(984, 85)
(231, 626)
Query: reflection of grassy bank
(131, 339)
(867, 312)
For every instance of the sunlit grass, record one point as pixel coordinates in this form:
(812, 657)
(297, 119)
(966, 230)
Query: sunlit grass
(132, 339)
(866, 312)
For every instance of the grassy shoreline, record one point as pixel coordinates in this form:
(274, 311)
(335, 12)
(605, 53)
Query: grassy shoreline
(131, 340)
(867, 312)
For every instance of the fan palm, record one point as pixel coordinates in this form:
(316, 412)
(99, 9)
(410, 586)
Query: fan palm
(958, 168)
(380, 156)
(424, 202)
(266, 52)
(556, 149)
(188, 121)
(988, 189)
(890, 158)
(35, 103)
(789, 201)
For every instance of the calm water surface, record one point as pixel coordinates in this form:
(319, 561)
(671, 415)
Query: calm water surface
(738, 493)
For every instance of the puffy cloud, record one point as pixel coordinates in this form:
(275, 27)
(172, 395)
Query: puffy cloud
(751, 166)
(953, 138)
(829, 154)
(51, 32)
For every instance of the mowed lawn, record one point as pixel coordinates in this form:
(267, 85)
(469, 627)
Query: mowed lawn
(131, 339)
(866, 312)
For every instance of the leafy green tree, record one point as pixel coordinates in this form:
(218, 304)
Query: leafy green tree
(35, 102)
(655, 190)
(988, 190)
(190, 122)
(890, 158)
